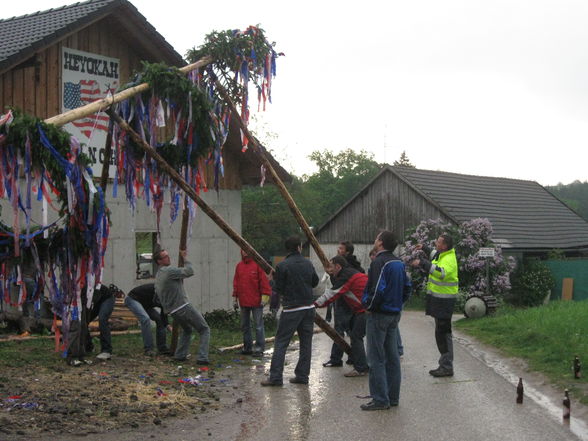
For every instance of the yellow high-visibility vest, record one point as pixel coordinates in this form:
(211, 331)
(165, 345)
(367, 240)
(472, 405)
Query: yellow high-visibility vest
(443, 280)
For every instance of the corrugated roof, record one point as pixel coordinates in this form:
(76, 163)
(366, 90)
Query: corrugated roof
(21, 36)
(524, 215)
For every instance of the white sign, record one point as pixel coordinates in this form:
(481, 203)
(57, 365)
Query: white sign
(486, 252)
(86, 78)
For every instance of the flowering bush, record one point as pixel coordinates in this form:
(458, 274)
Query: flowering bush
(531, 284)
(468, 238)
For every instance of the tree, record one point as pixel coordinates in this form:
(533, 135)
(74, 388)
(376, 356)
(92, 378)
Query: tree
(267, 220)
(403, 161)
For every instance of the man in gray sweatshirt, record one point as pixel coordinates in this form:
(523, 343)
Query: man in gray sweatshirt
(169, 287)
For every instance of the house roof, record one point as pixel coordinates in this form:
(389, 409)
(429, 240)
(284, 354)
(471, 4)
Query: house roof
(21, 37)
(523, 214)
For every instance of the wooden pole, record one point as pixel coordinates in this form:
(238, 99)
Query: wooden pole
(258, 148)
(183, 246)
(242, 243)
(104, 103)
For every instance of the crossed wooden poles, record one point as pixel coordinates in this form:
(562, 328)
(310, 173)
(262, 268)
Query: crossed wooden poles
(106, 103)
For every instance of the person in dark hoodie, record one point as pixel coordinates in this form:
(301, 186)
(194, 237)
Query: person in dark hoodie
(294, 279)
(388, 287)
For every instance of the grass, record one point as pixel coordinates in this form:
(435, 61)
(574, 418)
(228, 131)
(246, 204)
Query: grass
(39, 353)
(547, 337)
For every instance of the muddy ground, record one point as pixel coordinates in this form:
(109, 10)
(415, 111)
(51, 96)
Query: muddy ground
(125, 392)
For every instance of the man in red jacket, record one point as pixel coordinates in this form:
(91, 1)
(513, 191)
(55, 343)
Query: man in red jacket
(251, 292)
(348, 284)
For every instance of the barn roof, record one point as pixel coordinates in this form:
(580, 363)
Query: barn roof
(524, 215)
(21, 37)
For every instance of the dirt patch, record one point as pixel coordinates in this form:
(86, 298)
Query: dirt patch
(125, 392)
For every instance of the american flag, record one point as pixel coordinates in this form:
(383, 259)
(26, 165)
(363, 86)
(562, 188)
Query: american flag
(80, 94)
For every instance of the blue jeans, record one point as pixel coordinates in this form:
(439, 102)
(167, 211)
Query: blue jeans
(103, 311)
(188, 318)
(257, 313)
(145, 316)
(290, 322)
(383, 358)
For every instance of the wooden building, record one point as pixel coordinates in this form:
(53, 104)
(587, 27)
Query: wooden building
(32, 70)
(526, 218)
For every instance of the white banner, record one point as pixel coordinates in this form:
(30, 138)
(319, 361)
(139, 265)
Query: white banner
(86, 78)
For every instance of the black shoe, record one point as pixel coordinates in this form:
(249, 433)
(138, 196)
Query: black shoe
(372, 405)
(296, 380)
(165, 352)
(269, 382)
(441, 372)
(202, 362)
(258, 354)
(246, 352)
(333, 364)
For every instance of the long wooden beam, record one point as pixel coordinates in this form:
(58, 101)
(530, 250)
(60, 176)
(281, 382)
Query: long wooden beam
(102, 104)
(242, 243)
(258, 148)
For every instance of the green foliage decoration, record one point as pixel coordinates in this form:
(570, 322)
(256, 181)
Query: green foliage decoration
(229, 49)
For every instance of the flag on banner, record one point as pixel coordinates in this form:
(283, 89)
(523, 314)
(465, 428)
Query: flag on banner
(79, 94)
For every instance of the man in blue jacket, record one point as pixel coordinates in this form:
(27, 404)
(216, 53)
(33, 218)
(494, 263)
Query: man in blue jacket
(388, 287)
(294, 279)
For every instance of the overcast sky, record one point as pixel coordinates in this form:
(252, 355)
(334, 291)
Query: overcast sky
(492, 88)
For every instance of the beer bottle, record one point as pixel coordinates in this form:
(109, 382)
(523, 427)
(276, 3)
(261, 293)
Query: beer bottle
(577, 367)
(520, 391)
(566, 405)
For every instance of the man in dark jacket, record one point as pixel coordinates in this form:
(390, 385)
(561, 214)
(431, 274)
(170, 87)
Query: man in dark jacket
(387, 289)
(251, 292)
(294, 279)
(142, 302)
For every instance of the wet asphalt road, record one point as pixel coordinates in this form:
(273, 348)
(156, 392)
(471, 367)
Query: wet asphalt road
(478, 403)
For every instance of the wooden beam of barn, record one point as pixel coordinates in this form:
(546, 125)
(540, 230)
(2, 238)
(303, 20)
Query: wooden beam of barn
(223, 225)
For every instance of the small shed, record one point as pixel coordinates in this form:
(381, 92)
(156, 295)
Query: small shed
(110, 39)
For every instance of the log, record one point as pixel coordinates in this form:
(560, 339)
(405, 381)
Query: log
(242, 243)
(183, 242)
(259, 150)
(104, 103)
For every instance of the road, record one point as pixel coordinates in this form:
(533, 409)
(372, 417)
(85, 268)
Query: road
(478, 403)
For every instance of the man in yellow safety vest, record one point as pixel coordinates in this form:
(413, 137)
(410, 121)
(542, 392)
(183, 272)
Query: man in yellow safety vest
(442, 289)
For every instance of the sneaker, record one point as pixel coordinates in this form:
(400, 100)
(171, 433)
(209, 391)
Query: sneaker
(149, 353)
(354, 373)
(373, 405)
(183, 358)
(268, 382)
(441, 372)
(333, 364)
(74, 362)
(258, 354)
(202, 362)
(104, 356)
(246, 352)
(296, 380)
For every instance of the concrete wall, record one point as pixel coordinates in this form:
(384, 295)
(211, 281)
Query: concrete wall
(211, 252)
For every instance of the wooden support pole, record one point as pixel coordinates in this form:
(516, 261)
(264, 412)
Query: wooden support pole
(242, 243)
(258, 148)
(104, 103)
(183, 246)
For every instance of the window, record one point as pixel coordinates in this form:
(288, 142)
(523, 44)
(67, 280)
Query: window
(145, 243)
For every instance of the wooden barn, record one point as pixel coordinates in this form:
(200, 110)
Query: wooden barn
(526, 218)
(48, 59)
